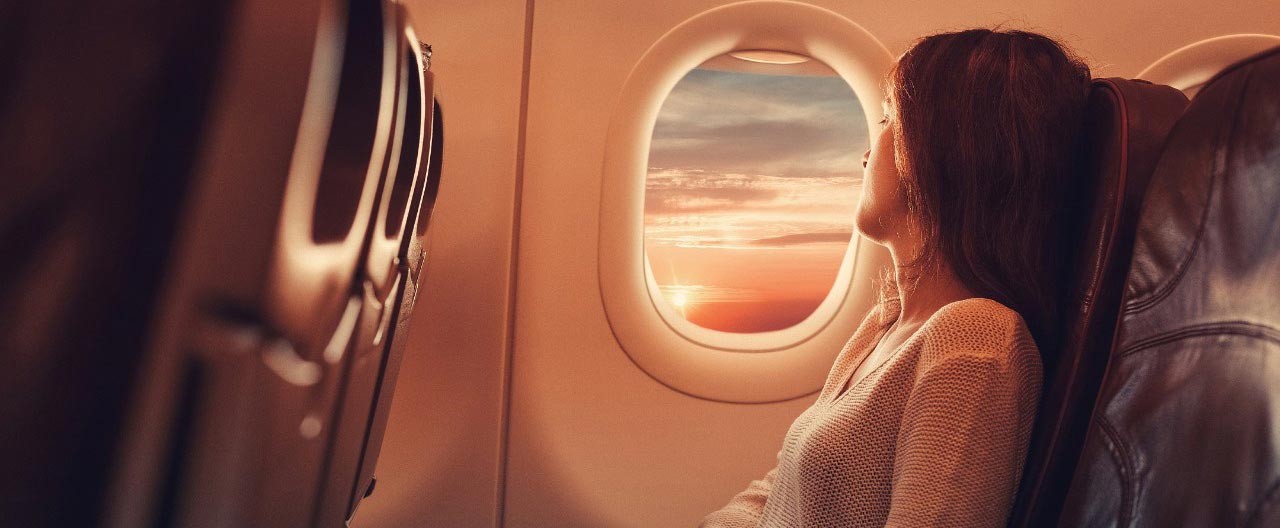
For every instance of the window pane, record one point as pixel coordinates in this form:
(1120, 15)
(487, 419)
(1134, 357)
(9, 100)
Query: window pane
(754, 174)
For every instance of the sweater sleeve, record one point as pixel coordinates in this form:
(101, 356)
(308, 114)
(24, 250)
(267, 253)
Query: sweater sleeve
(964, 435)
(744, 510)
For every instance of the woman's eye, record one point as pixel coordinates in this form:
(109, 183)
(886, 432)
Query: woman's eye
(884, 121)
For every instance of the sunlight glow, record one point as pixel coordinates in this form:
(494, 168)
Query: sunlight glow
(679, 300)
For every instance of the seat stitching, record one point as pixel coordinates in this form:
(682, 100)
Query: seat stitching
(1122, 456)
(1241, 328)
(1271, 497)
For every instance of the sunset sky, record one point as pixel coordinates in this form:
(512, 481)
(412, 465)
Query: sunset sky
(753, 181)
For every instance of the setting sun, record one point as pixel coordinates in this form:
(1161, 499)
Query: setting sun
(679, 300)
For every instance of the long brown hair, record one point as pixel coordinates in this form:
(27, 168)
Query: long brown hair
(988, 125)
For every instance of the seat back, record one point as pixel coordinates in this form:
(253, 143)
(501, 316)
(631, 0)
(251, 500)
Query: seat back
(397, 335)
(246, 356)
(1184, 429)
(1126, 124)
(389, 281)
(196, 250)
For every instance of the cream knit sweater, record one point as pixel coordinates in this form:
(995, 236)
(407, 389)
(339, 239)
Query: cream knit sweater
(934, 436)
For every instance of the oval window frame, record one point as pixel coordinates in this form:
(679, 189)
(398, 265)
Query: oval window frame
(1188, 68)
(724, 366)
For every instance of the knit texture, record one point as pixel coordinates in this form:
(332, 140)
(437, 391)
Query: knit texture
(934, 436)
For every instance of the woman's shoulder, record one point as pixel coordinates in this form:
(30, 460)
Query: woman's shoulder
(978, 327)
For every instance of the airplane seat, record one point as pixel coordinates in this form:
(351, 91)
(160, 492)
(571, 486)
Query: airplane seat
(270, 349)
(1184, 431)
(388, 278)
(1126, 123)
(94, 160)
(191, 294)
(415, 257)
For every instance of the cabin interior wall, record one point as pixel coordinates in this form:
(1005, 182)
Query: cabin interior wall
(593, 440)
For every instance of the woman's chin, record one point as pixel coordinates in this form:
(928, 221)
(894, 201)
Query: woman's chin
(870, 228)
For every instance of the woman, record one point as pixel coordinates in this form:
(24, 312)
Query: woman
(925, 417)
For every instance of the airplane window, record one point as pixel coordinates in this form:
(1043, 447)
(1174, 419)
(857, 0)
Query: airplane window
(754, 173)
(1188, 68)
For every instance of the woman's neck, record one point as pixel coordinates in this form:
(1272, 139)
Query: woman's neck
(921, 292)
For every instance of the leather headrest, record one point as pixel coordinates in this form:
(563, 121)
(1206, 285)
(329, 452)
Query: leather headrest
(1126, 123)
(1221, 184)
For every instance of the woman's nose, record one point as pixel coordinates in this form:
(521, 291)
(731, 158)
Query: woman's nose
(866, 157)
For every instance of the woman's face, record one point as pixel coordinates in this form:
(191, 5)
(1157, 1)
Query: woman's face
(882, 212)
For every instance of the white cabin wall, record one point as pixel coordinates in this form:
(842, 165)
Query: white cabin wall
(440, 460)
(593, 440)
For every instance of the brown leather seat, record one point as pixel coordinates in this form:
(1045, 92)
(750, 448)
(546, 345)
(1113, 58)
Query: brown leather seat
(1126, 125)
(1186, 429)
